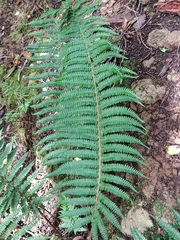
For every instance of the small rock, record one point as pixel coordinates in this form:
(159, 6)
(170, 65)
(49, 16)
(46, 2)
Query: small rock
(139, 218)
(158, 38)
(175, 172)
(147, 91)
(174, 38)
(173, 76)
(148, 191)
(147, 63)
(103, 10)
(163, 38)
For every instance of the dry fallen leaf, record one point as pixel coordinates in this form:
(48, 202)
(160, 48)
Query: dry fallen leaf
(140, 21)
(26, 54)
(124, 23)
(165, 68)
(172, 7)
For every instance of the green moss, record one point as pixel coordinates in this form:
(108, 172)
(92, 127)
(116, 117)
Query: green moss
(159, 208)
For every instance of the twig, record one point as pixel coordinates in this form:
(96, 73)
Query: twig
(11, 72)
(140, 36)
(44, 216)
(20, 71)
(51, 215)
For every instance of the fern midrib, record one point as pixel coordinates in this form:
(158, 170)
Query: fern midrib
(98, 116)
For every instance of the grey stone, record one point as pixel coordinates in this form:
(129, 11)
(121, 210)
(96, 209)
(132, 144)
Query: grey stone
(148, 92)
(138, 218)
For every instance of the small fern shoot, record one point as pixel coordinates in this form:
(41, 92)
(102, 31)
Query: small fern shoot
(91, 128)
(18, 198)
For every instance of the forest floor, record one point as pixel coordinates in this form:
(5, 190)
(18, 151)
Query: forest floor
(150, 38)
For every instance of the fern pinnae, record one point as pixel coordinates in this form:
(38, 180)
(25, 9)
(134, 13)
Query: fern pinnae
(79, 223)
(35, 189)
(124, 128)
(114, 100)
(110, 216)
(117, 180)
(24, 230)
(74, 143)
(77, 212)
(114, 190)
(124, 111)
(73, 165)
(101, 225)
(8, 219)
(80, 191)
(45, 102)
(44, 94)
(121, 168)
(16, 168)
(136, 234)
(11, 226)
(176, 215)
(111, 205)
(121, 157)
(121, 138)
(77, 201)
(8, 164)
(122, 149)
(5, 152)
(81, 172)
(120, 120)
(26, 184)
(23, 174)
(15, 200)
(1, 142)
(172, 232)
(78, 182)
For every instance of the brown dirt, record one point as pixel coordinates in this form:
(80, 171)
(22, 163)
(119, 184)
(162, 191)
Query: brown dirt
(162, 118)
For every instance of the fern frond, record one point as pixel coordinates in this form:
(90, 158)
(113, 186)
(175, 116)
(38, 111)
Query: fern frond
(17, 196)
(92, 129)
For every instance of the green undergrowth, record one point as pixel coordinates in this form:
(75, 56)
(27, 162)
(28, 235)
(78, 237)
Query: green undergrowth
(16, 95)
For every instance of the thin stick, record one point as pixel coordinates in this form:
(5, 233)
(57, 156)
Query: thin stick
(44, 216)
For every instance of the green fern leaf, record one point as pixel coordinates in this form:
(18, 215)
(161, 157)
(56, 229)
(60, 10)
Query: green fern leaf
(101, 225)
(83, 107)
(110, 216)
(111, 205)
